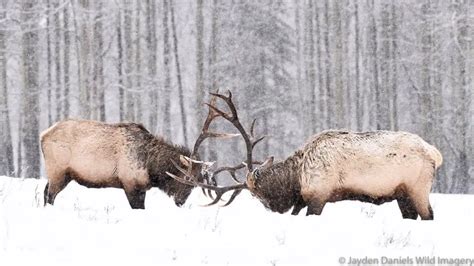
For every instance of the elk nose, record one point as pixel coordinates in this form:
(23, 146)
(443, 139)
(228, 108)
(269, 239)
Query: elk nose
(179, 203)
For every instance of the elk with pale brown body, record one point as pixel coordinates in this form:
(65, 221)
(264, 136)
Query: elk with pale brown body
(123, 155)
(373, 167)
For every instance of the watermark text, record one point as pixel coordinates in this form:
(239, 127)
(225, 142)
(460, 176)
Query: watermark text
(414, 260)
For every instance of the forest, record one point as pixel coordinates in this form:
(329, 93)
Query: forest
(299, 67)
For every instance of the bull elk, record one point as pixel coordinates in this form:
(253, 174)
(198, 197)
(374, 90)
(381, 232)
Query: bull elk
(123, 155)
(374, 167)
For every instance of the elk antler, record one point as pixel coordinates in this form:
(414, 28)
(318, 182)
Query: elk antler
(205, 133)
(250, 142)
(233, 118)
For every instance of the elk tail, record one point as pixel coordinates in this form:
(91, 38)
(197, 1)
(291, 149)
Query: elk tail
(435, 154)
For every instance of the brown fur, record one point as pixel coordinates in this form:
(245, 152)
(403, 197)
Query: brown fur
(122, 155)
(374, 167)
(280, 176)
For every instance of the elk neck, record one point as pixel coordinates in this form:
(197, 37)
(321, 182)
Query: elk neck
(156, 155)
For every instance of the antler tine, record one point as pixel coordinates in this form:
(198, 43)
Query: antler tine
(219, 196)
(252, 127)
(255, 142)
(220, 191)
(186, 173)
(228, 101)
(232, 197)
(233, 169)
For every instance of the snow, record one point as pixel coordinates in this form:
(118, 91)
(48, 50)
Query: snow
(96, 226)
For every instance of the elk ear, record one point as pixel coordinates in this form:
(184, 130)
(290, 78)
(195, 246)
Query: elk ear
(268, 163)
(184, 160)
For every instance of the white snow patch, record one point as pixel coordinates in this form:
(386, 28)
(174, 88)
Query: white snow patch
(97, 226)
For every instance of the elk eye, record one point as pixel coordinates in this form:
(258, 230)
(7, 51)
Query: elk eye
(256, 174)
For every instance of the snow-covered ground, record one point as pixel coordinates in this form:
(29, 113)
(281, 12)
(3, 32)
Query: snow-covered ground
(97, 227)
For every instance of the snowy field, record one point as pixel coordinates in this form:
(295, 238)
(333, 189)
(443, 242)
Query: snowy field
(97, 227)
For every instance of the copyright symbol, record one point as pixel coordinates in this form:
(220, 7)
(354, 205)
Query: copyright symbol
(342, 260)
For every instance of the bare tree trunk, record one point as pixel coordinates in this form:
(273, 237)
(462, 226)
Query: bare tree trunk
(82, 53)
(319, 64)
(178, 75)
(199, 62)
(49, 61)
(425, 98)
(299, 82)
(338, 68)
(6, 150)
(30, 92)
(358, 94)
(213, 82)
(19, 148)
(386, 95)
(100, 40)
(300, 79)
(98, 61)
(437, 90)
(394, 69)
(151, 41)
(120, 67)
(138, 63)
(98, 102)
(128, 49)
(329, 91)
(67, 46)
(263, 87)
(348, 85)
(463, 112)
(167, 72)
(57, 60)
(449, 183)
(373, 50)
(309, 65)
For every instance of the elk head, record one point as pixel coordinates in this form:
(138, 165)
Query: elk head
(187, 177)
(254, 176)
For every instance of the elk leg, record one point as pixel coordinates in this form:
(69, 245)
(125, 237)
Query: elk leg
(407, 208)
(300, 204)
(45, 193)
(136, 198)
(420, 196)
(315, 206)
(431, 213)
(423, 206)
(53, 187)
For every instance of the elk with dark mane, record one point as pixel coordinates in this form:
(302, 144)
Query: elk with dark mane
(374, 167)
(122, 155)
